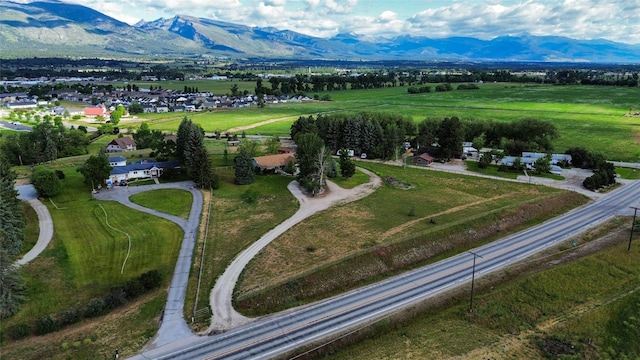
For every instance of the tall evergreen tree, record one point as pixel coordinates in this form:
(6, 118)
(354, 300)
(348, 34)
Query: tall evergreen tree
(11, 238)
(195, 141)
(450, 137)
(243, 168)
(182, 138)
(11, 219)
(200, 169)
(347, 167)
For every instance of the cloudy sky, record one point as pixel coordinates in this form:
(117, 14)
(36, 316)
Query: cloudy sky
(617, 20)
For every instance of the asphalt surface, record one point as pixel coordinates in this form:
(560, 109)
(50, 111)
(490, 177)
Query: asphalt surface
(275, 335)
(173, 326)
(29, 194)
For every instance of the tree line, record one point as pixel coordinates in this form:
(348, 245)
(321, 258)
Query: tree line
(12, 224)
(47, 142)
(382, 135)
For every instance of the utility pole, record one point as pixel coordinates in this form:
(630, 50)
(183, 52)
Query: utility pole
(473, 277)
(633, 225)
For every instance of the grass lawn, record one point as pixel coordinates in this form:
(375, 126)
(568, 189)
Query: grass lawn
(628, 173)
(492, 170)
(85, 260)
(32, 231)
(171, 201)
(349, 183)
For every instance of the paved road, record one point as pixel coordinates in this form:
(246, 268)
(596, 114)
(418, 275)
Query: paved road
(29, 194)
(224, 317)
(276, 334)
(173, 327)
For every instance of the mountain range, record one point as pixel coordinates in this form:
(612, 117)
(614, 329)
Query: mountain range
(53, 28)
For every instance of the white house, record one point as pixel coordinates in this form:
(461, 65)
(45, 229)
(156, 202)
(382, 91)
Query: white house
(143, 169)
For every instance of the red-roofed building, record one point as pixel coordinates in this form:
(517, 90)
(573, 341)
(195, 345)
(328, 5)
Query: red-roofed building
(98, 110)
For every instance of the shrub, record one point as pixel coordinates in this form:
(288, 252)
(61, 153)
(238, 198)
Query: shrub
(151, 279)
(18, 331)
(71, 316)
(47, 324)
(250, 196)
(115, 298)
(95, 307)
(46, 182)
(133, 288)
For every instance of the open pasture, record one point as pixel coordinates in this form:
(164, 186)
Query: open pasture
(419, 215)
(594, 117)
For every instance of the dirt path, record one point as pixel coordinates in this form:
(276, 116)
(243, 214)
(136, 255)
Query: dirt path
(265, 122)
(224, 316)
(408, 224)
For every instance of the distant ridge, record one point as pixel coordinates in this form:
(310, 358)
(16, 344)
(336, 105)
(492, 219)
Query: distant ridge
(55, 28)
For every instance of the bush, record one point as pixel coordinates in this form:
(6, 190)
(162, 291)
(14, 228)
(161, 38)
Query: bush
(95, 307)
(71, 316)
(151, 279)
(60, 174)
(47, 324)
(115, 298)
(133, 288)
(46, 182)
(18, 331)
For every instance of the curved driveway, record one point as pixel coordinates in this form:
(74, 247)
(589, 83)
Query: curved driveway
(224, 316)
(173, 326)
(29, 194)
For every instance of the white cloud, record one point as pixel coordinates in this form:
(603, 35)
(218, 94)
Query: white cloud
(486, 19)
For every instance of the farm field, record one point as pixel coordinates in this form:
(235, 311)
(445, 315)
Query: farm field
(589, 116)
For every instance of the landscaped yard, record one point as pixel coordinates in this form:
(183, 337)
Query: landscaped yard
(171, 201)
(86, 259)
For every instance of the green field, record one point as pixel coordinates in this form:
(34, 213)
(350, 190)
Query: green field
(588, 116)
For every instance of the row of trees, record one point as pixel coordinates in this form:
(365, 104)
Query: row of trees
(12, 224)
(47, 142)
(382, 135)
(379, 135)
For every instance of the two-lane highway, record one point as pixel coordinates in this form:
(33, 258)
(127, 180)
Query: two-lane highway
(270, 336)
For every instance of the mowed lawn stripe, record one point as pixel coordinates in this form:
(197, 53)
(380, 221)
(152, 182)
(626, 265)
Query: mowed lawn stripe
(171, 201)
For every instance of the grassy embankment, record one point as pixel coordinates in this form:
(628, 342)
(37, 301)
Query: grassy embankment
(565, 304)
(424, 217)
(84, 261)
